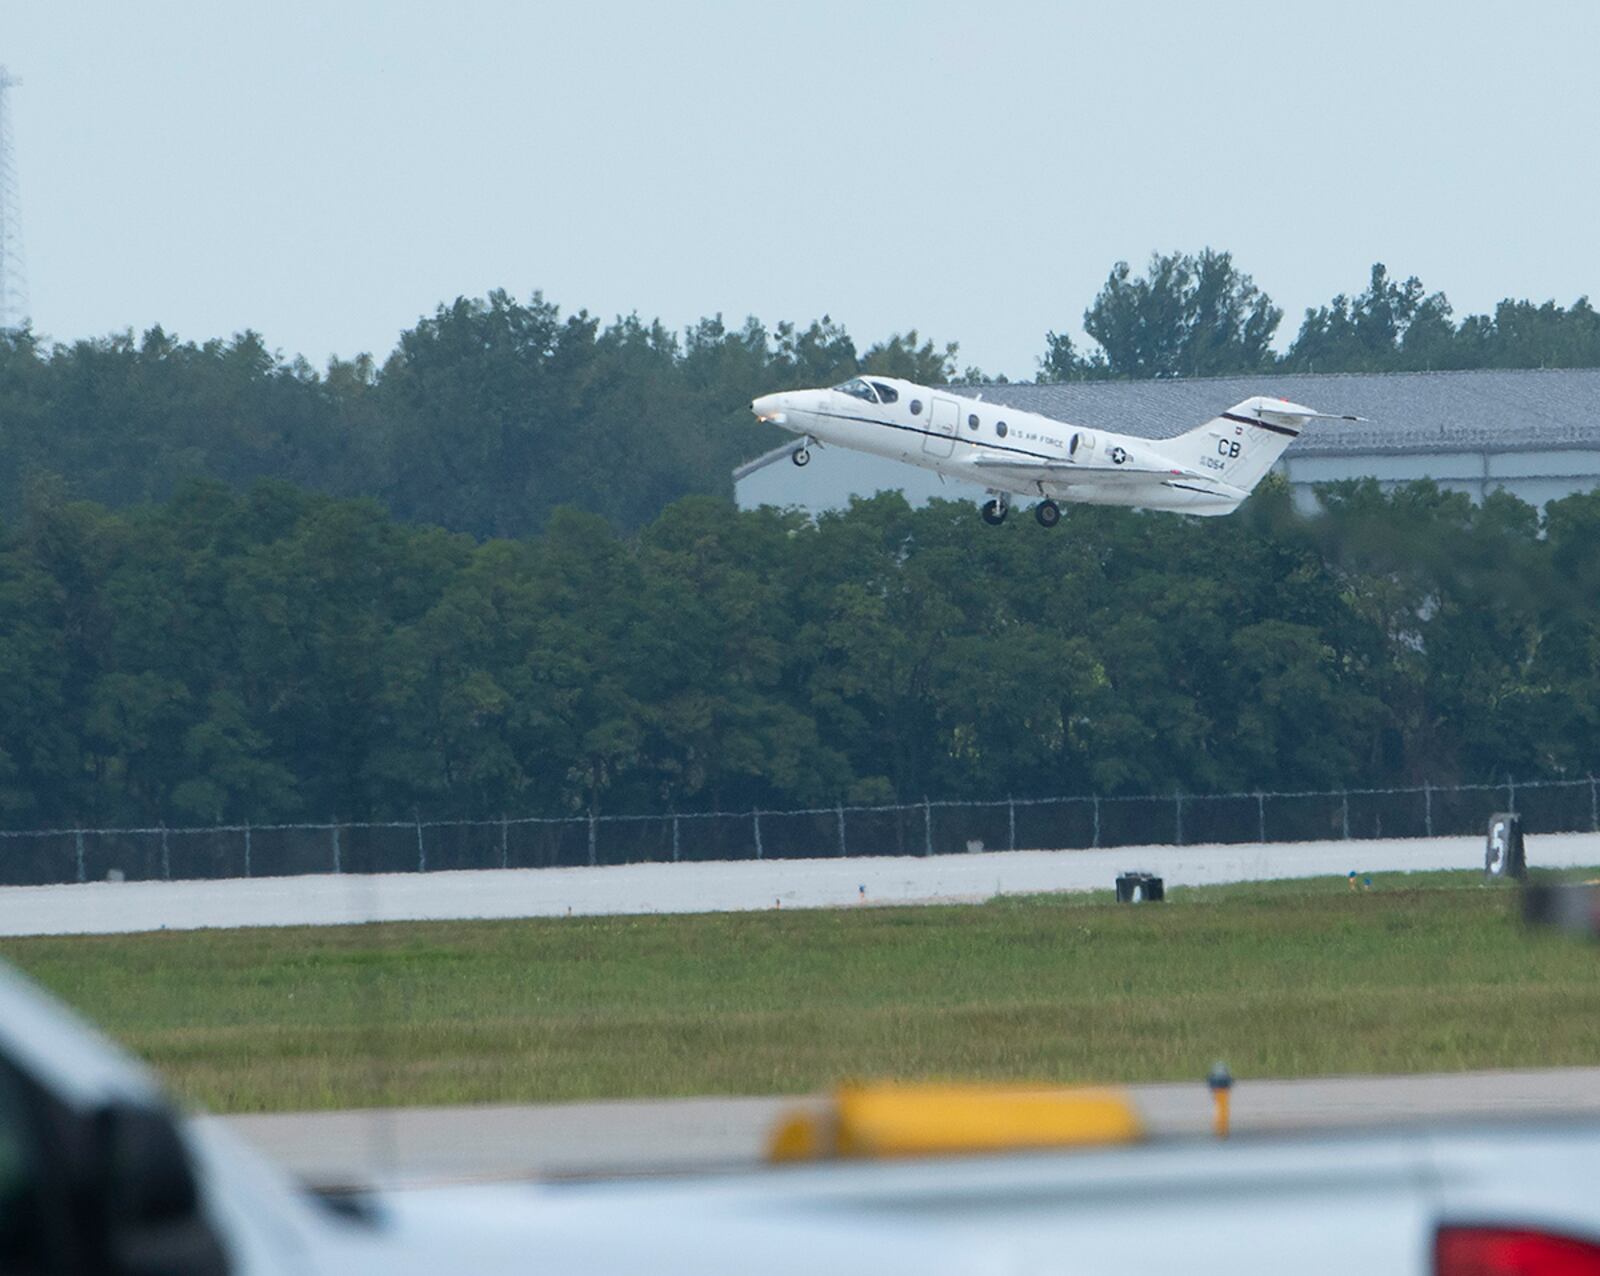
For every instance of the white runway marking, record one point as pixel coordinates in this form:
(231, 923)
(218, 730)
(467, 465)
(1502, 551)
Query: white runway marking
(723, 886)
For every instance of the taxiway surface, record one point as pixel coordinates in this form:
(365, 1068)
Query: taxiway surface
(657, 1136)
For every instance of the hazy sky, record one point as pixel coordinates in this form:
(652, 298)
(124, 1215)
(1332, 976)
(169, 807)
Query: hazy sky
(328, 172)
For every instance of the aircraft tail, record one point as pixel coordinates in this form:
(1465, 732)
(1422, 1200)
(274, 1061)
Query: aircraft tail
(1242, 444)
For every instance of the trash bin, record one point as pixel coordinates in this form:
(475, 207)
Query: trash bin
(1139, 888)
(1503, 854)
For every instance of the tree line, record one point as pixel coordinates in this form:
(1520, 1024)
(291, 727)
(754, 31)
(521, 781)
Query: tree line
(492, 412)
(487, 416)
(276, 653)
(1199, 315)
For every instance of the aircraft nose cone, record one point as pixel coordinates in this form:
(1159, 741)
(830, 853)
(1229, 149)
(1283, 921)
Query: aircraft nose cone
(767, 406)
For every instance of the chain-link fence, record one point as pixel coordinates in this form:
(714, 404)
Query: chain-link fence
(923, 828)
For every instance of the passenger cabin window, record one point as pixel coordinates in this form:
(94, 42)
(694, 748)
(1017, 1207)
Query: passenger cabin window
(972, 421)
(886, 393)
(916, 406)
(857, 388)
(1000, 428)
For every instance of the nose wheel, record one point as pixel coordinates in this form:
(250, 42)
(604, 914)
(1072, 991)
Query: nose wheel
(1048, 513)
(994, 511)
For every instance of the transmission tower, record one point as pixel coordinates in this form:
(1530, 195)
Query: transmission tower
(13, 285)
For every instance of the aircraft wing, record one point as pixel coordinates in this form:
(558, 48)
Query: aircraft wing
(781, 453)
(1071, 473)
(1078, 472)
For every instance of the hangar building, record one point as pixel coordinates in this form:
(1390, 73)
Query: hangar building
(1535, 433)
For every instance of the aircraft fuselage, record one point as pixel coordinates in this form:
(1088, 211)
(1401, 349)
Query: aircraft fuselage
(999, 448)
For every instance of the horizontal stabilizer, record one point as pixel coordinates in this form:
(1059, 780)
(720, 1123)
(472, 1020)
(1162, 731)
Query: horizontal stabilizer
(1296, 417)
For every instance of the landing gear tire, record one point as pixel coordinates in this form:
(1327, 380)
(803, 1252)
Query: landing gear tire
(1048, 513)
(802, 456)
(994, 512)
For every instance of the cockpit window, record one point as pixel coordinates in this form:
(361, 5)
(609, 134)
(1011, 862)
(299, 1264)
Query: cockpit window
(886, 393)
(858, 388)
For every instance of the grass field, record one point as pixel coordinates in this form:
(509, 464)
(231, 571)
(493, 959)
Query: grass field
(1427, 972)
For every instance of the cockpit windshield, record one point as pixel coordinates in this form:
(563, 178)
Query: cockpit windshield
(858, 388)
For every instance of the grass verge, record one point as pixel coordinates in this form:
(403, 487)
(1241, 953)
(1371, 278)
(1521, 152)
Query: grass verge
(1425, 972)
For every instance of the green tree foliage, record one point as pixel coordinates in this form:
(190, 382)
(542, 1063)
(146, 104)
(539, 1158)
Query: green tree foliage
(1389, 326)
(1400, 327)
(493, 412)
(275, 654)
(1188, 316)
(1198, 316)
(488, 415)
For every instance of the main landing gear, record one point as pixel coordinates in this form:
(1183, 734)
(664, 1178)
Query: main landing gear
(802, 454)
(995, 509)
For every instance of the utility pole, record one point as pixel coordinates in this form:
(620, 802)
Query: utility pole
(13, 286)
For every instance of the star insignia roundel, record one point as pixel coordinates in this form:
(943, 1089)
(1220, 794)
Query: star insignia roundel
(1118, 455)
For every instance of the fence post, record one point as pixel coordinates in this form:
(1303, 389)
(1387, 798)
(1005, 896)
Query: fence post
(591, 837)
(1261, 816)
(247, 848)
(1177, 815)
(166, 858)
(78, 839)
(1594, 806)
(755, 817)
(1344, 811)
(1511, 795)
(840, 809)
(1011, 821)
(422, 854)
(674, 838)
(1427, 807)
(505, 860)
(1097, 820)
(927, 826)
(336, 866)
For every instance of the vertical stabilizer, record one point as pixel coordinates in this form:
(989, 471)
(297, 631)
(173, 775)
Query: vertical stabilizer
(1241, 445)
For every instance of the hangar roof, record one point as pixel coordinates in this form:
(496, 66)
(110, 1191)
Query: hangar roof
(1482, 411)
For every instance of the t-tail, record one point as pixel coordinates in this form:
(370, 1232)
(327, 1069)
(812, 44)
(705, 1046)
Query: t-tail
(1240, 446)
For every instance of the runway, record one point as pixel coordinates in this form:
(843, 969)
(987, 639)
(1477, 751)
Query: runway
(661, 1136)
(723, 886)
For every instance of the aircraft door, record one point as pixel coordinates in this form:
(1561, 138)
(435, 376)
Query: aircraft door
(944, 417)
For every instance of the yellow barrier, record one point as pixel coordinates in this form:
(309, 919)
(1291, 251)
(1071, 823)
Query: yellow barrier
(869, 1122)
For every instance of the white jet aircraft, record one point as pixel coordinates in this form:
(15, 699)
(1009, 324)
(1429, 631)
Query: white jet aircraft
(1209, 470)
